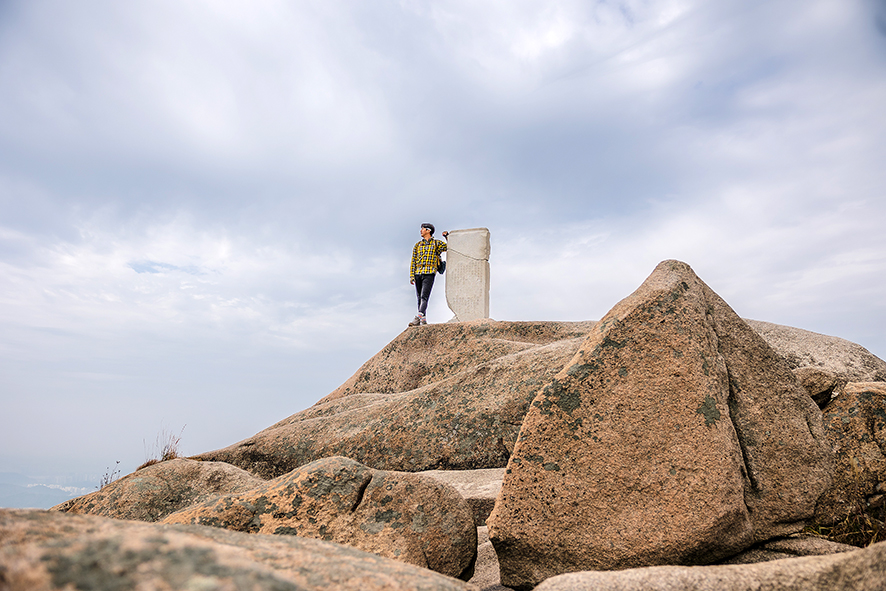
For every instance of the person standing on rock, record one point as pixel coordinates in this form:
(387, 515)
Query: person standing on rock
(423, 269)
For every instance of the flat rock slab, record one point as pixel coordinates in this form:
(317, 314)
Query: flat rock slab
(436, 352)
(861, 570)
(42, 550)
(471, 384)
(801, 545)
(453, 397)
(398, 515)
(675, 435)
(478, 487)
(152, 493)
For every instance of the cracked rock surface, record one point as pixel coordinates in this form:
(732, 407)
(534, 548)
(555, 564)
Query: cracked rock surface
(855, 423)
(675, 435)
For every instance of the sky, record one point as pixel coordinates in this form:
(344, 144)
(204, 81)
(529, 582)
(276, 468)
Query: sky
(207, 208)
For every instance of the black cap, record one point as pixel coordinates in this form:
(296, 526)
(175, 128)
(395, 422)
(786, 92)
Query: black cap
(429, 227)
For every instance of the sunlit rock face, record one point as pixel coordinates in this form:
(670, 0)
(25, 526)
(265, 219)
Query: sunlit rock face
(442, 396)
(675, 435)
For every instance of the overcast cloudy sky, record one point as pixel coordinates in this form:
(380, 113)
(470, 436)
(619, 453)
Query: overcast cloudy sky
(207, 208)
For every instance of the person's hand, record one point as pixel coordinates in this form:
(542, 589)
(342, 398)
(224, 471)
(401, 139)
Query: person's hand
(412, 282)
(445, 234)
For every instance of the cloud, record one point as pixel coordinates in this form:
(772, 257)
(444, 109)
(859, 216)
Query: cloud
(206, 210)
(182, 275)
(155, 267)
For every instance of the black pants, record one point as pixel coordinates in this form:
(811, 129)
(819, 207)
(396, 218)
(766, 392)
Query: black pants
(423, 286)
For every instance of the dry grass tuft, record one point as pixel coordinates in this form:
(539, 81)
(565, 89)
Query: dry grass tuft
(109, 476)
(864, 523)
(166, 447)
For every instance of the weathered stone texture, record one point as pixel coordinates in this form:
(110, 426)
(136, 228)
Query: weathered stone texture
(820, 384)
(486, 575)
(861, 570)
(464, 413)
(675, 435)
(848, 361)
(152, 493)
(398, 515)
(47, 551)
(467, 274)
(432, 353)
(855, 425)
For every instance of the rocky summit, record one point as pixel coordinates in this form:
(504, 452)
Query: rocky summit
(671, 445)
(448, 396)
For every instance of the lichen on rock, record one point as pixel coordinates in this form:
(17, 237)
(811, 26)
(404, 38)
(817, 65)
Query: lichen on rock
(683, 439)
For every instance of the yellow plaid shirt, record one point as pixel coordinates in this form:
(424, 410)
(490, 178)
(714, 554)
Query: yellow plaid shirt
(425, 256)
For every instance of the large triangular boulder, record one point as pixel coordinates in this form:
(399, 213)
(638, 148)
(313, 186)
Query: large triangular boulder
(675, 435)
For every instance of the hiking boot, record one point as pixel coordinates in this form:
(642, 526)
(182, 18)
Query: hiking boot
(415, 321)
(422, 318)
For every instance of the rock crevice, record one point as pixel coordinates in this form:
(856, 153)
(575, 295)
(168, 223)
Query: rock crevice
(648, 469)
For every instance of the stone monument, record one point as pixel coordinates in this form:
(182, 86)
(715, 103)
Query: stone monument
(467, 274)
